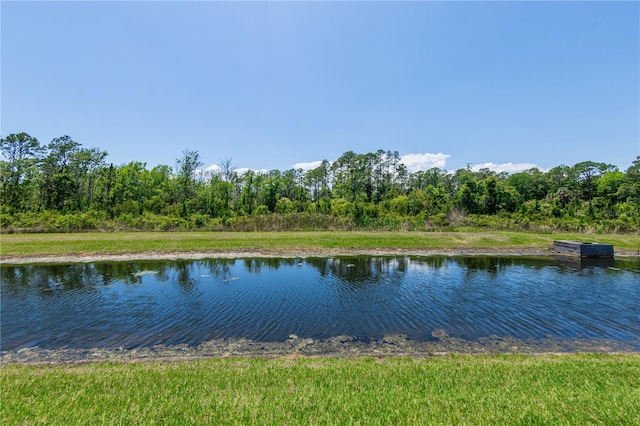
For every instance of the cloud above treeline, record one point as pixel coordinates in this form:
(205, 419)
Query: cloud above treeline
(215, 169)
(413, 162)
(426, 161)
(505, 167)
(307, 166)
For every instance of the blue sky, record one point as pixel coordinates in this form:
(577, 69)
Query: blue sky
(284, 84)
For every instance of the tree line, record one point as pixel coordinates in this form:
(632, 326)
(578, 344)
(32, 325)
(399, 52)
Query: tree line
(65, 186)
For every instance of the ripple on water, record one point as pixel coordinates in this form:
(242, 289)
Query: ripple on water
(266, 300)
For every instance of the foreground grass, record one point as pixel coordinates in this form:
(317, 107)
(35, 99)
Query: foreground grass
(123, 242)
(496, 389)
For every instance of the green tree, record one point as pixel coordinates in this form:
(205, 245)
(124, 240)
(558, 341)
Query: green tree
(531, 184)
(490, 199)
(629, 190)
(85, 166)
(131, 188)
(508, 197)
(59, 185)
(249, 194)
(437, 199)
(317, 182)
(284, 206)
(588, 173)
(188, 165)
(20, 154)
(219, 202)
(349, 176)
(561, 177)
(609, 184)
(425, 178)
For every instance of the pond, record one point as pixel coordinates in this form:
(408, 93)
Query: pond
(141, 304)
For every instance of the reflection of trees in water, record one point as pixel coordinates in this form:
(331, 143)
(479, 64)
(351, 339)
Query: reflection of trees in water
(433, 262)
(219, 268)
(184, 275)
(54, 278)
(481, 263)
(133, 272)
(359, 269)
(15, 276)
(493, 265)
(50, 279)
(254, 266)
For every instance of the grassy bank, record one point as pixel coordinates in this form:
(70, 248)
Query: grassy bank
(129, 242)
(497, 389)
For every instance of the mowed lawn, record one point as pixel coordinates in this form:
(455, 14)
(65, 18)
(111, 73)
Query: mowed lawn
(575, 389)
(135, 242)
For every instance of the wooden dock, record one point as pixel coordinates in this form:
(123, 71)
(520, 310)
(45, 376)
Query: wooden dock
(584, 249)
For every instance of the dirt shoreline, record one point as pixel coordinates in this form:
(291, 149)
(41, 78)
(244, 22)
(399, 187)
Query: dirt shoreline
(339, 346)
(395, 345)
(283, 253)
(270, 253)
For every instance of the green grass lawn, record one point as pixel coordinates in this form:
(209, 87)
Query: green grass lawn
(124, 242)
(497, 389)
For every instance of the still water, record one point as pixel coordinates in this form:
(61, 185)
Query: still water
(136, 304)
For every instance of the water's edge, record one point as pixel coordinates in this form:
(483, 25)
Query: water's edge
(339, 347)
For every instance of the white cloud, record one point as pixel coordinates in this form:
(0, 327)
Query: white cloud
(214, 168)
(426, 161)
(206, 173)
(414, 162)
(505, 167)
(242, 170)
(307, 166)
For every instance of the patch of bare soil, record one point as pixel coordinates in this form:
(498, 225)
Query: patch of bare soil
(286, 252)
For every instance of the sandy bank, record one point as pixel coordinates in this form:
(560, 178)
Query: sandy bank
(283, 253)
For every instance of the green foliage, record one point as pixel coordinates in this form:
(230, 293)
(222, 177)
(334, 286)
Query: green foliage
(341, 207)
(199, 221)
(261, 210)
(369, 191)
(6, 220)
(290, 222)
(284, 206)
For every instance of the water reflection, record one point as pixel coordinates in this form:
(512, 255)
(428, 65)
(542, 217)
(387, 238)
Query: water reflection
(143, 303)
(185, 272)
(577, 262)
